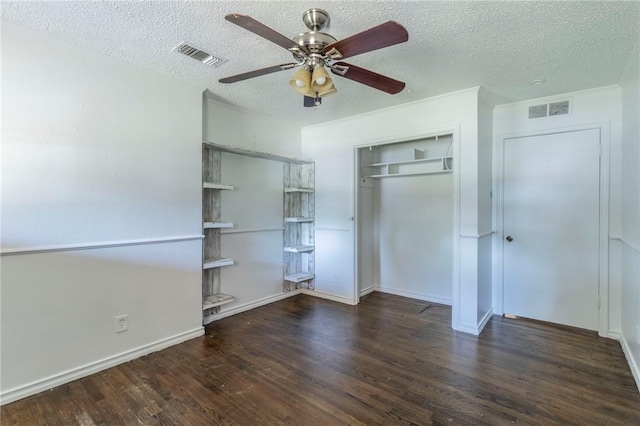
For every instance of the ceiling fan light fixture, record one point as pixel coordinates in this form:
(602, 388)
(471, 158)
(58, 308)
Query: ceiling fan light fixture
(329, 91)
(301, 81)
(320, 80)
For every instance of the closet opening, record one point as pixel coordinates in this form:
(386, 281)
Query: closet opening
(406, 218)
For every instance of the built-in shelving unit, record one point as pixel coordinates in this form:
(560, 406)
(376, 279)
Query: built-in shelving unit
(416, 164)
(299, 277)
(217, 225)
(299, 249)
(211, 185)
(298, 219)
(299, 231)
(298, 190)
(212, 296)
(298, 228)
(216, 262)
(216, 300)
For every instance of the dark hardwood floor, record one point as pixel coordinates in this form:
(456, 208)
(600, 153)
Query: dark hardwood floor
(308, 361)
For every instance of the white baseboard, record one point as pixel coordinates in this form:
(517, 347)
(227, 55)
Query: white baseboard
(329, 296)
(633, 363)
(94, 367)
(465, 328)
(613, 334)
(367, 290)
(252, 305)
(476, 329)
(485, 320)
(412, 295)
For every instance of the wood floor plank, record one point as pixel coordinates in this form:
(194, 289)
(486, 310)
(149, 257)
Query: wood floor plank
(387, 361)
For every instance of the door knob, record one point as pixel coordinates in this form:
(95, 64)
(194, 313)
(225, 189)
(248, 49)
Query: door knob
(509, 238)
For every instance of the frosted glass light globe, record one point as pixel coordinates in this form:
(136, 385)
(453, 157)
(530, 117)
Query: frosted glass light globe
(321, 80)
(299, 83)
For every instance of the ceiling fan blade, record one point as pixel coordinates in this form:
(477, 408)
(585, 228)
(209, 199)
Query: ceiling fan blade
(257, 73)
(370, 78)
(250, 24)
(383, 35)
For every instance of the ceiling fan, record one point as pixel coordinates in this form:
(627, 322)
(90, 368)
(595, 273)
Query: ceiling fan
(315, 50)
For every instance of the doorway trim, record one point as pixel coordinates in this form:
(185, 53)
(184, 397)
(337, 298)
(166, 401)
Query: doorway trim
(603, 238)
(454, 131)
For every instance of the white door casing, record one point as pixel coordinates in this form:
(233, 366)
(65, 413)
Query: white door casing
(552, 204)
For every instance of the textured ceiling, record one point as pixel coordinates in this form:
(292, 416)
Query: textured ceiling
(452, 45)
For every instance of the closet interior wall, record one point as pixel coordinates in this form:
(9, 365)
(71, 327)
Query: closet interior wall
(405, 219)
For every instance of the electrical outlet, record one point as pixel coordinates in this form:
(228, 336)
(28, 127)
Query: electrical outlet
(122, 323)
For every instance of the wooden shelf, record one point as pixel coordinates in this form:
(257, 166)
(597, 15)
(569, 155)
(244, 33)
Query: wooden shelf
(215, 300)
(299, 249)
(217, 225)
(299, 277)
(216, 262)
(294, 189)
(211, 185)
(298, 219)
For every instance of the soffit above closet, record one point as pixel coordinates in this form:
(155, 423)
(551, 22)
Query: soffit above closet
(501, 46)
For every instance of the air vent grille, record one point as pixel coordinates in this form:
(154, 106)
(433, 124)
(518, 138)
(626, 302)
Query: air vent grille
(199, 55)
(549, 110)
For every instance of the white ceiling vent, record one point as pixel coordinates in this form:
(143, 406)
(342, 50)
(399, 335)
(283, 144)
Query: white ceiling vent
(549, 110)
(200, 55)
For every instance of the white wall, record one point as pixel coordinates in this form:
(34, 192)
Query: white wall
(255, 243)
(331, 146)
(227, 125)
(590, 107)
(630, 232)
(485, 208)
(94, 151)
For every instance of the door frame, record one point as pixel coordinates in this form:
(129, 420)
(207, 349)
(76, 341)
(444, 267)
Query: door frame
(603, 264)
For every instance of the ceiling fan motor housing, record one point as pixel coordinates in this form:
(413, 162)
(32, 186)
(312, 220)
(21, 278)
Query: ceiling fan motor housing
(315, 19)
(313, 42)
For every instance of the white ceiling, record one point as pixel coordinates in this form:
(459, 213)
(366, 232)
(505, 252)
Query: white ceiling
(452, 45)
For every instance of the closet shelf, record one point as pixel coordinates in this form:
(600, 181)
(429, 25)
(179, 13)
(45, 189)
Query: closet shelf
(216, 262)
(420, 160)
(295, 189)
(216, 225)
(299, 249)
(211, 185)
(299, 277)
(215, 300)
(409, 174)
(420, 166)
(298, 219)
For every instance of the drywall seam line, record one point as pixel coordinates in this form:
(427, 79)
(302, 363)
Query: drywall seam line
(98, 245)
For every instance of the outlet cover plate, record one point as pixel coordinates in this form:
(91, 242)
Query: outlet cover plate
(122, 323)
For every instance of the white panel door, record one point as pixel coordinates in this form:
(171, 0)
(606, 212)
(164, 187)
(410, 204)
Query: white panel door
(551, 227)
